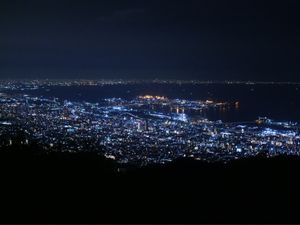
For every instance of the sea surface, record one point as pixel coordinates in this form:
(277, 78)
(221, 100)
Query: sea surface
(276, 101)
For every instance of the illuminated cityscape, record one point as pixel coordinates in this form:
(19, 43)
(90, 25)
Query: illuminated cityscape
(149, 112)
(144, 130)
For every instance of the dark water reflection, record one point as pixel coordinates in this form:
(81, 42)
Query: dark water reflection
(281, 102)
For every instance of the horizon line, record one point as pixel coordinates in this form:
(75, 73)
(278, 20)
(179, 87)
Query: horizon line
(146, 79)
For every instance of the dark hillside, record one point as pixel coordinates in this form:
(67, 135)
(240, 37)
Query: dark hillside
(87, 188)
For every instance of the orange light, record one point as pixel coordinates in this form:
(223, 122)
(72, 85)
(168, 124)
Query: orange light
(153, 97)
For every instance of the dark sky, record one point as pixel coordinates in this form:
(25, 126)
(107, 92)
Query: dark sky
(186, 39)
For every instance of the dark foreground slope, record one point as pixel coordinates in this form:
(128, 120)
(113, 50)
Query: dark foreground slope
(86, 188)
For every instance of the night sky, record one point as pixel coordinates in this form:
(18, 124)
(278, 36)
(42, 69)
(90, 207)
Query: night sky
(184, 39)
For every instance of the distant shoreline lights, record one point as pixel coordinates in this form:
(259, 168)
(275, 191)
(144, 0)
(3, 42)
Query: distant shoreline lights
(151, 97)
